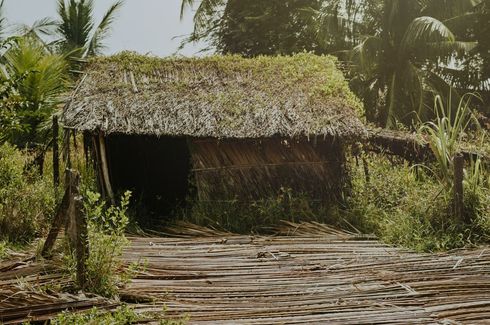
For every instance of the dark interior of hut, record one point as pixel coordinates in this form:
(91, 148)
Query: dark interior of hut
(155, 169)
(173, 177)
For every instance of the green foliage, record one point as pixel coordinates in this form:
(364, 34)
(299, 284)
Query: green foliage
(446, 134)
(11, 104)
(34, 81)
(318, 76)
(106, 240)
(27, 200)
(79, 34)
(393, 68)
(3, 249)
(111, 220)
(256, 27)
(123, 315)
(407, 206)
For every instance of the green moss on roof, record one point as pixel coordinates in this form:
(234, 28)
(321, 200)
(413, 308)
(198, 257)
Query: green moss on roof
(216, 96)
(318, 74)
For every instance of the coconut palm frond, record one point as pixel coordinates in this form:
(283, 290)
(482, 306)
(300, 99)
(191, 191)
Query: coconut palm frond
(424, 30)
(103, 29)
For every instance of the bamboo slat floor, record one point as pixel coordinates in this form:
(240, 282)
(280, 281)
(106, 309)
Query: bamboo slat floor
(309, 274)
(312, 275)
(32, 292)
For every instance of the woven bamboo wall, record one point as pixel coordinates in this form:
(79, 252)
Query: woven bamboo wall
(252, 169)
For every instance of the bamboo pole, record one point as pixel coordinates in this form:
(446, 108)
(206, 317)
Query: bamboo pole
(56, 154)
(100, 177)
(81, 240)
(105, 168)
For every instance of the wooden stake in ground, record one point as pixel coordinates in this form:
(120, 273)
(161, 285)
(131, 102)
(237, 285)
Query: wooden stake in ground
(458, 187)
(60, 219)
(81, 236)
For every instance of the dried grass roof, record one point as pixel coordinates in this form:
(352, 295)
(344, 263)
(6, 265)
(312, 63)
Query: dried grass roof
(217, 96)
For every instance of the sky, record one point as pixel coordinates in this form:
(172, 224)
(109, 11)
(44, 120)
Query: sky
(144, 26)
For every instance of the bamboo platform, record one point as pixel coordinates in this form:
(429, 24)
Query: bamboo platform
(33, 292)
(308, 274)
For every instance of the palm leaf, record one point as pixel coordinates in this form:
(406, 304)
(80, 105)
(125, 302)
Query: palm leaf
(185, 4)
(3, 20)
(76, 23)
(423, 30)
(103, 29)
(206, 9)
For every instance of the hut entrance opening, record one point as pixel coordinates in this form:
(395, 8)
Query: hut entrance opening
(155, 169)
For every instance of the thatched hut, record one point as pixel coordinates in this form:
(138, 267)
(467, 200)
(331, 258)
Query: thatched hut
(235, 128)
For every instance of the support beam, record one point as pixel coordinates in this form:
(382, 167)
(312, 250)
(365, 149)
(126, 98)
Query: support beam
(56, 153)
(105, 168)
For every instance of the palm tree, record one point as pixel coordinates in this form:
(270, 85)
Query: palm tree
(204, 10)
(255, 27)
(78, 30)
(40, 80)
(2, 20)
(394, 67)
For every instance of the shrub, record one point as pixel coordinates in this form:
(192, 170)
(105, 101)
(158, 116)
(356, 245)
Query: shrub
(407, 206)
(27, 200)
(106, 243)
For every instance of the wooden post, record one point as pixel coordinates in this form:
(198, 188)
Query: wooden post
(105, 168)
(100, 177)
(56, 154)
(81, 243)
(58, 221)
(61, 217)
(66, 145)
(458, 198)
(366, 170)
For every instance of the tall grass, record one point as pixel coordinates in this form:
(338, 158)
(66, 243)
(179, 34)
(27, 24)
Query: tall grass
(446, 134)
(408, 206)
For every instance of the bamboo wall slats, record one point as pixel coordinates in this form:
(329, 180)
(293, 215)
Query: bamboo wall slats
(251, 169)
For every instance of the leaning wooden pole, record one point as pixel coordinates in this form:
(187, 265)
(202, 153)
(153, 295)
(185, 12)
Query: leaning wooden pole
(458, 190)
(59, 219)
(105, 168)
(81, 240)
(56, 153)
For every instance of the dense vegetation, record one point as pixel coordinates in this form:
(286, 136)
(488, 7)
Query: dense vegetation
(398, 55)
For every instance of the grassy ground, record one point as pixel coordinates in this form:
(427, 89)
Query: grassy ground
(408, 206)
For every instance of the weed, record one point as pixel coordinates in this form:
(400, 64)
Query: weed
(106, 243)
(123, 315)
